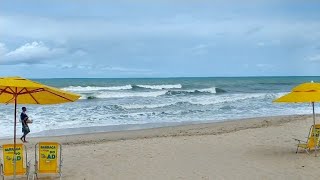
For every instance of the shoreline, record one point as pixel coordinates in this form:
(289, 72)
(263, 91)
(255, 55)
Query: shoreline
(153, 130)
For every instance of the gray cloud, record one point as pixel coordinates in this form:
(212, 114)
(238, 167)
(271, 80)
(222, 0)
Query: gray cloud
(254, 30)
(265, 66)
(315, 58)
(124, 69)
(3, 49)
(35, 53)
(29, 53)
(200, 49)
(184, 39)
(261, 44)
(60, 30)
(101, 69)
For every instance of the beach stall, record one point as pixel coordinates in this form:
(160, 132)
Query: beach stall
(18, 90)
(304, 93)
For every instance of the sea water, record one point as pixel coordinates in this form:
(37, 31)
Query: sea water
(110, 102)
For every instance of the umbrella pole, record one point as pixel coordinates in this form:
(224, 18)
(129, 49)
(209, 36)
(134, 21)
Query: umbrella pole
(314, 130)
(14, 137)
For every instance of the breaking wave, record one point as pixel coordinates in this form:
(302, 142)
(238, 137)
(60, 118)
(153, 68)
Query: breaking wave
(202, 101)
(96, 88)
(212, 90)
(118, 88)
(160, 87)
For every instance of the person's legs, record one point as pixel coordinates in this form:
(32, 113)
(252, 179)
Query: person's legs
(25, 136)
(22, 137)
(25, 132)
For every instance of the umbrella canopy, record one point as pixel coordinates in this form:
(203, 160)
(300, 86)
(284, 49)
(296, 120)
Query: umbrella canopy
(19, 90)
(306, 92)
(30, 92)
(303, 93)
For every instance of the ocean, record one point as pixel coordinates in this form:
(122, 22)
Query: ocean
(139, 101)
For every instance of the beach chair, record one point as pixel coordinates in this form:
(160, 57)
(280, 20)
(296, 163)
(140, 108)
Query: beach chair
(48, 160)
(7, 161)
(311, 141)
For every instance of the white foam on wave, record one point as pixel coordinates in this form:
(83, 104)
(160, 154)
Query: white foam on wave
(96, 88)
(106, 95)
(117, 88)
(159, 87)
(201, 101)
(87, 114)
(83, 97)
(206, 90)
(233, 98)
(209, 90)
(144, 106)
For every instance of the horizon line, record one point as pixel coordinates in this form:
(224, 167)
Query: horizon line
(177, 77)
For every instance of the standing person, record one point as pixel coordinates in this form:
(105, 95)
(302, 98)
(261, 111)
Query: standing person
(24, 120)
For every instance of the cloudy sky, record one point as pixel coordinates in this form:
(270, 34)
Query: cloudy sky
(159, 38)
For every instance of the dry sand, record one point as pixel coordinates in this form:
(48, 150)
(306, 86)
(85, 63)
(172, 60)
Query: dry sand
(259, 148)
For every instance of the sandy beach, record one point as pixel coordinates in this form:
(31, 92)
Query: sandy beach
(258, 148)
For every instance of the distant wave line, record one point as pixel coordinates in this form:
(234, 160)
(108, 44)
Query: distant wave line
(124, 94)
(125, 87)
(201, 101)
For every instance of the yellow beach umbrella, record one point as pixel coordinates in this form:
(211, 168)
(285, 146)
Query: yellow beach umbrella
(18, 90)
(303, 93)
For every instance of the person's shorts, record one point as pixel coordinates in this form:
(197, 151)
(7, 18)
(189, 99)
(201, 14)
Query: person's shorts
(25, 130)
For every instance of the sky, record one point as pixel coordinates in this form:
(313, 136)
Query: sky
(159, 38)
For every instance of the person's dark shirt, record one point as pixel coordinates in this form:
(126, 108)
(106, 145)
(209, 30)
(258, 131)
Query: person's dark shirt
(24, 117)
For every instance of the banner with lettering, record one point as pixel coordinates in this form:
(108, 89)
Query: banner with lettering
(48, 157)
(8, 158)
